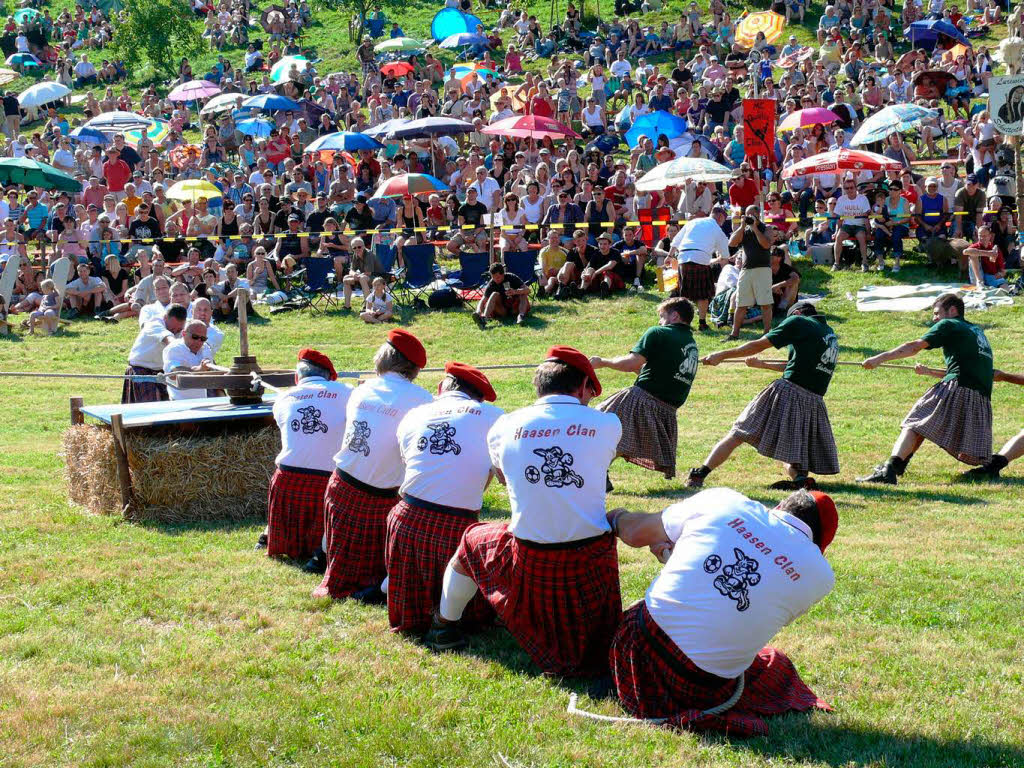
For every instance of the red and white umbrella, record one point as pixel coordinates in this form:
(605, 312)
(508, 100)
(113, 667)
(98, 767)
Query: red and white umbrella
(840, 160)
(410, 184)
(530, 127)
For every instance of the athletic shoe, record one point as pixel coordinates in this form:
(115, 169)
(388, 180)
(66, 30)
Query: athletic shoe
(444, 636)
(562, 293)
(261, 542)
(695, 479)
(635, 288)
(837, 267)
(109, 319)
(521, 319)
(317, 563)
(371, 596)
(884, 473)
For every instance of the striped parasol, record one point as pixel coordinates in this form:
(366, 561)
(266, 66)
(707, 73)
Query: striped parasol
(157, 134)
(768, 22)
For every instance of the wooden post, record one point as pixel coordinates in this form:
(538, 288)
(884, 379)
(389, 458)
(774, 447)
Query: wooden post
(76, 404)
(241, 304)
(124, 477)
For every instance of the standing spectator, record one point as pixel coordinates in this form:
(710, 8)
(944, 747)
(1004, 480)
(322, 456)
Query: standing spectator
(755, 279)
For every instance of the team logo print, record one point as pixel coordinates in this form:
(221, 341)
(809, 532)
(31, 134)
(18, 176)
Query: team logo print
(555, 469)
(310, 422)
(358, 438)
(735, 579)
(712, 564)
(441, 441)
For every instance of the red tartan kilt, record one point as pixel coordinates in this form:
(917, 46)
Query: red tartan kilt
(654, 678)
(295, 512)
(355, 522)
(562, 605)
(420, 543)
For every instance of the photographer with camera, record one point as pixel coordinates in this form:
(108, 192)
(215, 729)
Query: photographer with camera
(755, 282)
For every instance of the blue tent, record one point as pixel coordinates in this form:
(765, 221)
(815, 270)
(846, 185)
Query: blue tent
(451, 21)
(925, 34)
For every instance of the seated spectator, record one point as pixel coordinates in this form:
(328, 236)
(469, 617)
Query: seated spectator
(503, 295)
(987, 266)
(600, 273)
(85, 294)
(378, 305)
(785, 283)
(550, 260)
(47, 314)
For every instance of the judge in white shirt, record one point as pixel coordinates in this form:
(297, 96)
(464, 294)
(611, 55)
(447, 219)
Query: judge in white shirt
(447, 469)
(552, 573)
(311, 418)
(368, 470)
(735, 574)
(697, 245)
(147, 359)
(189, 354)
(202, 309)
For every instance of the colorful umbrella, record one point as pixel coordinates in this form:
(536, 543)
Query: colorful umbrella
(460, 39)
(531, 127)
(839, 160)
(193, 189)
(257, 127)
(184, 154)
(399, 44)
(117, 122)
(344, 140)
(655, 124)
(194, 90)
(895, 118)
(410, 184)
(26, 14)
(42, 93)
(396, 69)
(32, 173)
(157, 134)
(805, 118)
(271, 102)
(23, 60)
(461, 70)
(281, 70)
(768, 22)
(676, 173)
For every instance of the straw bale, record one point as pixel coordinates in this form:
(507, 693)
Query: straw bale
(221, 474)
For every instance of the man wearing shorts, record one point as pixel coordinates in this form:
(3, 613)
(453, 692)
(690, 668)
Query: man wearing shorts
(755, 282)
(852, 209)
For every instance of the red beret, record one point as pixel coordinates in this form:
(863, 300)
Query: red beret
(473, 377)
(409, 346)
(318, 358)
(577, 360)
(828, 517)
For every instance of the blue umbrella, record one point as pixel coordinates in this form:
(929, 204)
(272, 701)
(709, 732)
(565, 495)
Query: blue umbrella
(460, 39)
(87, 135)
(925, 34)
(349, 141)
(893, 119)
(655, 124)
(257, 127)
(271, 102)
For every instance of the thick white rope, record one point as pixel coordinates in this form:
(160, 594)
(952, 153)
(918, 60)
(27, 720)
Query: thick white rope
(725, 706)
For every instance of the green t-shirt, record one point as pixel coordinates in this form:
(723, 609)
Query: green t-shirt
(967, 353)
(813, 351)
(671, 366)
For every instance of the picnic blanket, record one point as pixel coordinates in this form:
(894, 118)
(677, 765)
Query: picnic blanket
(914, 298)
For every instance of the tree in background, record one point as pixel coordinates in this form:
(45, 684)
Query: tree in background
(161, 32)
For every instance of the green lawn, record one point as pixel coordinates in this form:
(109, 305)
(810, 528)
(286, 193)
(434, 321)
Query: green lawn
(152, 645)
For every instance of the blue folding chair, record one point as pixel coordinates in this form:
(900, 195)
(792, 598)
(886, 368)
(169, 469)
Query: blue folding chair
(415, 279)
(472, 270)
(523, 264)
(320, 290)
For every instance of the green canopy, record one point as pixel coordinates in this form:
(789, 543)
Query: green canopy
(32, 173)
(26, 14)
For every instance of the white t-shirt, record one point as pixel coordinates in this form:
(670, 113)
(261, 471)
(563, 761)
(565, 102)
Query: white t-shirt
(856, 209)
(738, 573)
(214, 337)
(444, 447)
(311, 417)
(78, 284)
(698, 239)
(177, 355)
(148, 349)
(485, 191)
(555, 455)
(620, 68)
(949, 191)
(592, 117)
(370, 451)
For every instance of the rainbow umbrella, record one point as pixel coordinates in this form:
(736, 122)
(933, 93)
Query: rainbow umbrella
(805, 118)
(461, 70)
(157, 133)
(410, 184)
(769, 22)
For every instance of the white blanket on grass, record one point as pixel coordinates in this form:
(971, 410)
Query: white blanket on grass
(914, 298)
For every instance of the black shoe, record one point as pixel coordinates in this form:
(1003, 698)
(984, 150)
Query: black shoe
(984, 472)
(732, 337)
(444, 636)
(695, 478)
(541, 293)
(608, 487)
(575, 292)
(371, 596)
(884, 473)
(784, 485)
(478, 318)
(317, 563)
(261, 542)
(703, 326)
(605, 291)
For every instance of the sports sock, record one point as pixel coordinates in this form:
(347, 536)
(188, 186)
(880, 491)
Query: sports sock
(384, 585)
(456, 592)
(703, 470)
(898, 464)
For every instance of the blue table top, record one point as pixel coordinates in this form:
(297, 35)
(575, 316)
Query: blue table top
(180, 411)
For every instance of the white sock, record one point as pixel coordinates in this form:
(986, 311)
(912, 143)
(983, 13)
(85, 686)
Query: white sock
(384, 585)
(456, 592)
(323, 543)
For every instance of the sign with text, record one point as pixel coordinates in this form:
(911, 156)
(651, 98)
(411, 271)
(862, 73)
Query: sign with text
(759, 132)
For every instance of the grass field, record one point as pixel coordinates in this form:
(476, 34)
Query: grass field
(150, 645)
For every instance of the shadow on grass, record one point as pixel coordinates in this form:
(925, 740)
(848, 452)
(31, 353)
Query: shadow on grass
(254, 523)
(888, 493)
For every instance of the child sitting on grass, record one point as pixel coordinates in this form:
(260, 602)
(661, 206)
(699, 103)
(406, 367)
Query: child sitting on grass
(377, 307)
(49, 308)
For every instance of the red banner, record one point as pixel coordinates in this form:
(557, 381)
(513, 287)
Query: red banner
(759, 132)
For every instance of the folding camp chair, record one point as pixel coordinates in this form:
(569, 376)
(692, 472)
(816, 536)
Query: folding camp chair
(414, 280)
(321, 289)
(472, 269)
(523, 264)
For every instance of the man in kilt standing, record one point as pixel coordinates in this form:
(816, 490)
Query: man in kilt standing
(693, 650)
(788, 421)
(695, 245)
(665, 361)
(368, 471)
(956, 413)
(447, 469)
(552, 573)
(311, 417)
(1014, 447)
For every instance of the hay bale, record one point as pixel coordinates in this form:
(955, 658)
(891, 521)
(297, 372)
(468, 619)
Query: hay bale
(219, 474)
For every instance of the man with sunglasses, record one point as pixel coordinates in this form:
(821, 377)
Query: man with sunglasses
(852, 208)
(189, 354)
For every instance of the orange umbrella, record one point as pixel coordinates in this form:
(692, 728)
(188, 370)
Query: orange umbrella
(769, 22)
(957, 50)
